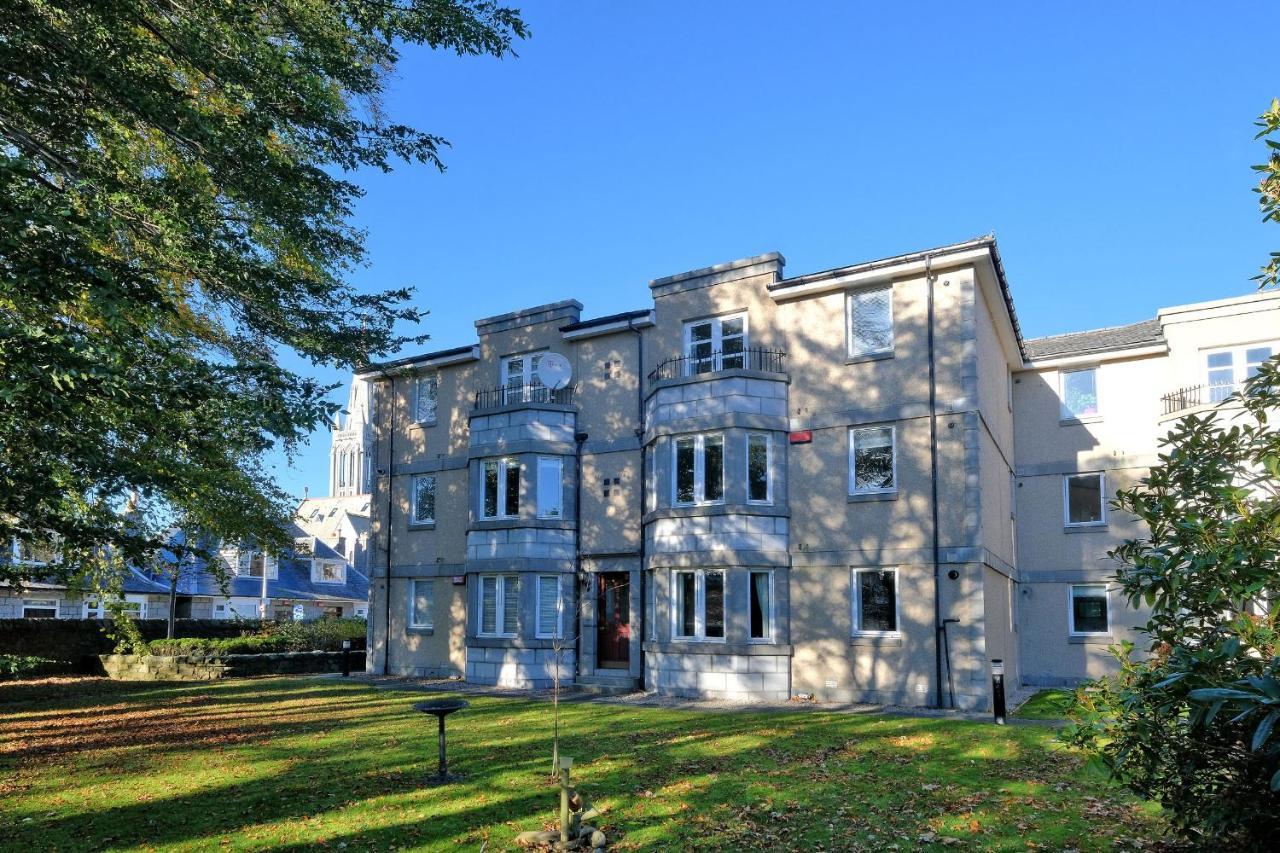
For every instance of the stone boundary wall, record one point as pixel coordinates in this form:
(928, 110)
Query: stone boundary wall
(208, 668)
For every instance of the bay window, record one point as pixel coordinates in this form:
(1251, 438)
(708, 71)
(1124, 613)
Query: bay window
(550, 487)
(500, 488)
(698, 466)
(699, 604)
(499, 605)
(759, 478)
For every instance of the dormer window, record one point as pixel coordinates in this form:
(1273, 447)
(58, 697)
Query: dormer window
(328, 571)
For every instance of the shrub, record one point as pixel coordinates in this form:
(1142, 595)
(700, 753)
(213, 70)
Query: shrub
(29, 666)
(322, 635)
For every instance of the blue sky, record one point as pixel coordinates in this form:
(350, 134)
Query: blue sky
(1107, 146)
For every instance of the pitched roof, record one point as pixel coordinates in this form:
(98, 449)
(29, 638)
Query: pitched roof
(1143, 334)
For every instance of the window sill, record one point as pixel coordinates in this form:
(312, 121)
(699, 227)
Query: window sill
(1090, 639)
(422, 525)
(702, 505)
(864, 497)
(423, 424)
(878, 640)
(424, 630)
(1087, 419)
(871, 356)
(1084, 528)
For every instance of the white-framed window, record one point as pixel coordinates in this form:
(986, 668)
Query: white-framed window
(500, 488)
(550, 609)
(1090, 610)
(499, 605)
(135, 606)
(759, 468)
(716, 343)
(760, 606)
(304, 546)
(873, 460)
(875, 602)
(697, 464)
(869, 321)
(550, 487)
(260, 562)
(520, 382)
(328, 571)
(1227, 369)
(1084, 499)
(421, 603)
(39, 608)
(1078, 394)
(426, 391)
(94, 608)
(424, 499)
(699, 604)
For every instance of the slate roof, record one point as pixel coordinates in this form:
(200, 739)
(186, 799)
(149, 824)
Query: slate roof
(1143, 334)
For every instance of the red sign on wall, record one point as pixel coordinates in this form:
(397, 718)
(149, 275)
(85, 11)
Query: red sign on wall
(803, 436)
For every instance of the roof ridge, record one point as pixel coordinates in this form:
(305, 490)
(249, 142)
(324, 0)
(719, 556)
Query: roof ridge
(1098, 329)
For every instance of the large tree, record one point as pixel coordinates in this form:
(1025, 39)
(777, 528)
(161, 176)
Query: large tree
(175, 202)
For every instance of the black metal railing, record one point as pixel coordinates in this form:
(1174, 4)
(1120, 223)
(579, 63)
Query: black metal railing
(752, 358)
(516, 395)
(1183, 398)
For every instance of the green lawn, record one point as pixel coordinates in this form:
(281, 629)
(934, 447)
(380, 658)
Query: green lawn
(297, 764)
(1049, 704)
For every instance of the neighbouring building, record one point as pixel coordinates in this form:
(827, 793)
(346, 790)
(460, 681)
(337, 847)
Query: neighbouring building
(341, 520)
(862, 484)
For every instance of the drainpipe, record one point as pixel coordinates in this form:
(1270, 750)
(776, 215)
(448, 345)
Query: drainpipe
(391, 461)
(644, 598)
(938, 625)
(579, 438)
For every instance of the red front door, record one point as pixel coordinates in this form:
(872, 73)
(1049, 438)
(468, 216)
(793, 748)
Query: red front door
(613, 643)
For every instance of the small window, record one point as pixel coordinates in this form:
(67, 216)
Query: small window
(1079, 393)
(328, 571)
(699, 604)
(421, 603)
(425, 399)
(1090, 610)
(1228, 369)
(94, 609)
(550, 623)
(1083, 496)
(260, 563)
(761, 599)
(715, 344)
(759, 481)
(39, 608)
(500, 494)
(875, 601)
(550, 487)
(499, 604)
(424, 500)
(870, 321)
(698, 462)
(872, 460)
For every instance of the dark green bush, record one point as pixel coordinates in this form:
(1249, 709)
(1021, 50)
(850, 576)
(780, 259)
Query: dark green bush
(322, 635)
(30, 666)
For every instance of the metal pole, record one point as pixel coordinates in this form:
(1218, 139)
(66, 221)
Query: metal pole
(444, 762)
(997, 690)
(346, 658)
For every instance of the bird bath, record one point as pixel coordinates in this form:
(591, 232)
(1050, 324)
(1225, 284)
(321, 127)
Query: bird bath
(441, 708)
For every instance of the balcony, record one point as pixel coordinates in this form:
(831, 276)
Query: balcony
(754, 359)
(1194, 396)
(520, 395)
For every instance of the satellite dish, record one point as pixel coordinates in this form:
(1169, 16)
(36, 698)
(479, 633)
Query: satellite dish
(554, 370)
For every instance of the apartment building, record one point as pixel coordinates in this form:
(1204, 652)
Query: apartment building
(838, 484)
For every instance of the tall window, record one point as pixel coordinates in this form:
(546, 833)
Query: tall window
(550, 623)
(520, 380)
(1083, 497)
(872, 460)
(718, 343)
(424, 500)
(39, 608)
(1079, 393)
(499, 605)
(759, 482)
(425, 403)
(760, 594)
(699, 604)
(1227, 369)
(1090, 609)
(500, 489)
(550, 487)
(698, 463)
(422, 598)
(875, 601)
(870, 321)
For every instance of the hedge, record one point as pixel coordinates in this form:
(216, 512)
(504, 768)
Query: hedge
(30, 666)
(81, 641)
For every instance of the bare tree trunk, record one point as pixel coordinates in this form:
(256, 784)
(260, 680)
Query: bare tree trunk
(173, 605)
